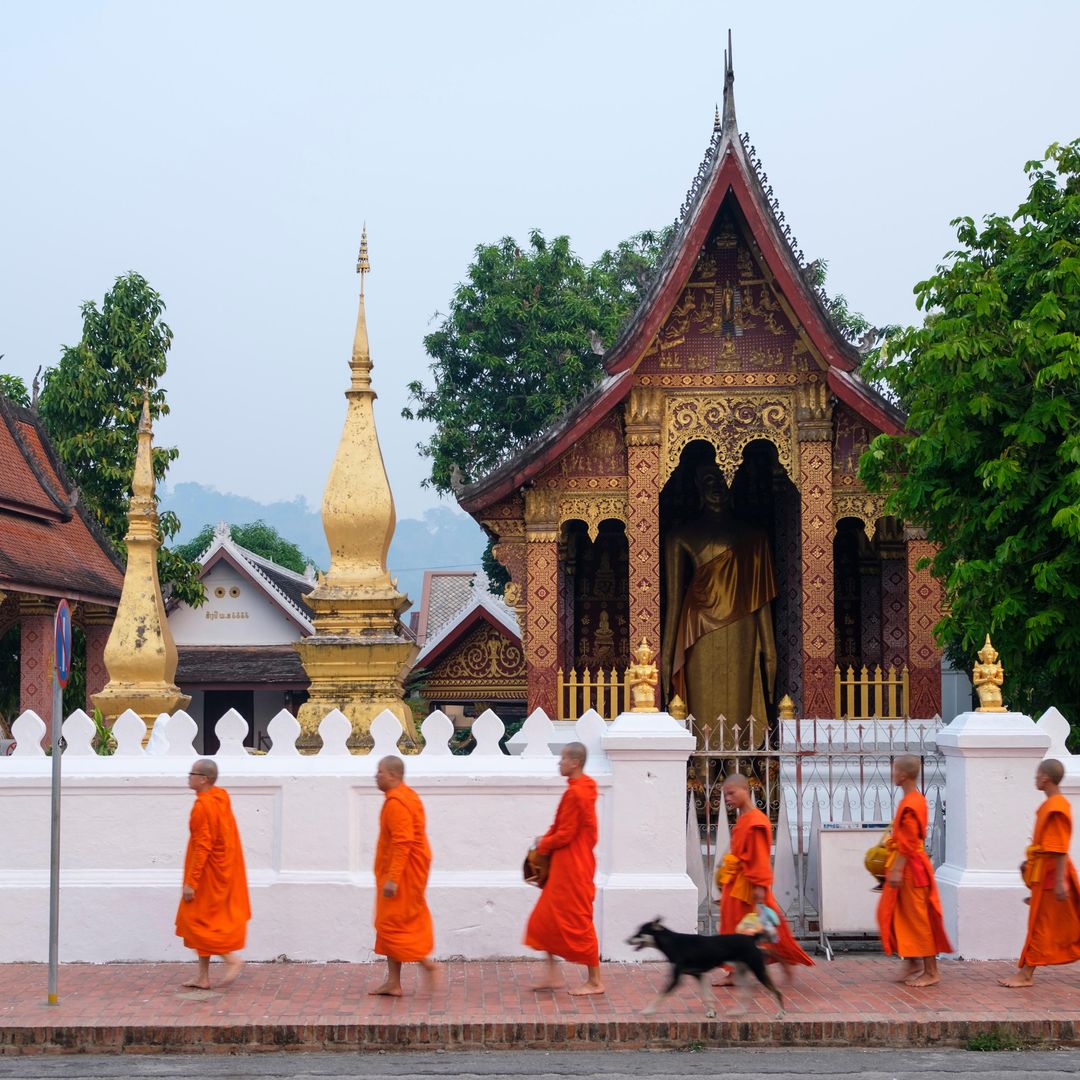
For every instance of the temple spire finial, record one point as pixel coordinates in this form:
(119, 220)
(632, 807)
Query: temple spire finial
(363, 265)
(716, 124)
(729, 123)
(361, 354)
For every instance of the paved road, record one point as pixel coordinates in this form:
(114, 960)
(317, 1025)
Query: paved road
(613, 1065)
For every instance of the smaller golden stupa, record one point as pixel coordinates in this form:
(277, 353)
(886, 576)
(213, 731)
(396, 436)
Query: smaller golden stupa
(140, 654)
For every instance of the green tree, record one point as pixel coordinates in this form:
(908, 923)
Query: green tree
(522, 343)
(90, 404)
(256, 536)
(991, 466)
(14, 389)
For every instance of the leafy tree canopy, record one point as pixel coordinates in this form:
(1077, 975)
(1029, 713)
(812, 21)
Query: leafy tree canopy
(991, 382)
(521, 344)
(90, 404)
(14, 389)
(256, 536)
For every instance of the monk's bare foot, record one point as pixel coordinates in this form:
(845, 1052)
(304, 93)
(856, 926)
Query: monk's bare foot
(233, 966)
(587, 989)
(1019, 979)
(197, 984)
(924, 979)
(724, 980)
(387, 989)
(909, 970)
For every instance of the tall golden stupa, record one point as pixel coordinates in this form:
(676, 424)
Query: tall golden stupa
(360, 652)
(140, 654)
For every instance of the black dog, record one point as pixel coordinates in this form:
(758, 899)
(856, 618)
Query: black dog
(692, 954)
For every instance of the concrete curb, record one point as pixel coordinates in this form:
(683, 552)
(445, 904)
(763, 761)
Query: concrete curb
(528, 1035)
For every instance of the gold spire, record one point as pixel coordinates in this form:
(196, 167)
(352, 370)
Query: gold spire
(363, 266)
(359, 653)
(140, 654)
(361, 351)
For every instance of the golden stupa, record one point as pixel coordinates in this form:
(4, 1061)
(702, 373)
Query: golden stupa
(140, 654)
(360, 652)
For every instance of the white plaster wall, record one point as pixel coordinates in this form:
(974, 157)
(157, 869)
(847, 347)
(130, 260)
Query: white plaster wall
(252, 618)
(309, 826)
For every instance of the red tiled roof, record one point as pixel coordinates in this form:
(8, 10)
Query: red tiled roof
(48, 544)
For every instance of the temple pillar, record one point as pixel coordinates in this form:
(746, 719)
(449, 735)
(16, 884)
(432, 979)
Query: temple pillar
(36, 615)
(814, 415)
(643, 417)
(96, 624)
(924, 597)
(542, 593)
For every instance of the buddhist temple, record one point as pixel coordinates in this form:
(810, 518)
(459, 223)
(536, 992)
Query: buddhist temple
(705, 495)
(237, 649)
(470, 655)
(50, 548)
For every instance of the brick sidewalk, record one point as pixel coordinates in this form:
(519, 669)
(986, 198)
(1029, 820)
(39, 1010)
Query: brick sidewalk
(850, 1002)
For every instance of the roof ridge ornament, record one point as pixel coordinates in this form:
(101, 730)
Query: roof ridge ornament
(729, 123)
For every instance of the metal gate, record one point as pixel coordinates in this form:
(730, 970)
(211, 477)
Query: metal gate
(805, 773)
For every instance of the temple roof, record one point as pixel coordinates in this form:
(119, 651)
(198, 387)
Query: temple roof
(49, 544)
(730, 169)
(452, 602)
(284, 587)
(235, 666)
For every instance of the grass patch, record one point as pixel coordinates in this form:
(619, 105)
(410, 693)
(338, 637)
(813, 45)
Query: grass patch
(997, 1039)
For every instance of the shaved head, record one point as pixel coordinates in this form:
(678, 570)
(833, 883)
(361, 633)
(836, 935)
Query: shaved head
(577, 751)
(206, 767)
(908, 765)
(1052, 769)
(393, 765)
(737, 780)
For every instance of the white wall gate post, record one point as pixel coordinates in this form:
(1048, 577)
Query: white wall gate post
(647, 868)
(990, 802)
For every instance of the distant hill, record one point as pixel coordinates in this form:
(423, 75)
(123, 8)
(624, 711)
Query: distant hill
(444, 537)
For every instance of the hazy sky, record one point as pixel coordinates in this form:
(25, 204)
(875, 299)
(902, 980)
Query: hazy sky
(230, 152)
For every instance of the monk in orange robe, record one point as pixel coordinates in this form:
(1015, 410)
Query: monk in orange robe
(214, 908)
(1053, 935)
(746, 876)
(562, 921)
(909, 911)
(403, 928)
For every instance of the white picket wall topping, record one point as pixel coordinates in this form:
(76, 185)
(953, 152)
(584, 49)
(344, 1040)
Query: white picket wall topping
(309, 823)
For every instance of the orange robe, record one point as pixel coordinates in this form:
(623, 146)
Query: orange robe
(909, 916)
(215, 922)
(562, 921)
(747, 864)
(403, 928)
(1053, 935)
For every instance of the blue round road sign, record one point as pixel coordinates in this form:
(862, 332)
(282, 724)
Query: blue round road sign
(62, 642)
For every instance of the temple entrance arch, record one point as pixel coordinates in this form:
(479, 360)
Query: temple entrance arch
(730, 585)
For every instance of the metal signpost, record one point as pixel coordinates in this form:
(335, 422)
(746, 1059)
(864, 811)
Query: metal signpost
(62, 652)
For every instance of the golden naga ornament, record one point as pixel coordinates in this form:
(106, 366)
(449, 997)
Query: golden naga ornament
(643, 676)
(988, 676)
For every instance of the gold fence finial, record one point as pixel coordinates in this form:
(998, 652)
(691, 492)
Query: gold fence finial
(643, 677)
(988, 676)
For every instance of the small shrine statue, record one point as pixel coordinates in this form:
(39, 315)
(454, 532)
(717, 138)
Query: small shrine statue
(643, 677)
(988, 675)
